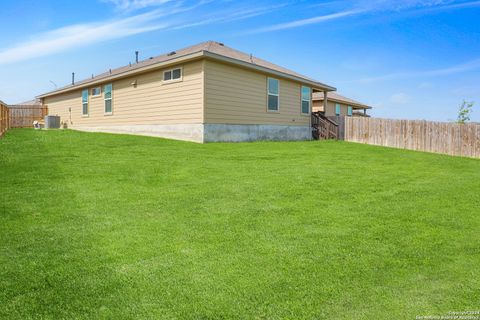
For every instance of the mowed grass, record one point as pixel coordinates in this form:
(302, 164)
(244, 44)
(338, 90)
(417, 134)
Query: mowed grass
(126, 227)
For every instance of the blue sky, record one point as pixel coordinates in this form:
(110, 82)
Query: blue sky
(412, 59)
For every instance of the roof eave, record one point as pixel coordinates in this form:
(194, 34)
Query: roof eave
(357, 105)
(316, 85)
(125, 74)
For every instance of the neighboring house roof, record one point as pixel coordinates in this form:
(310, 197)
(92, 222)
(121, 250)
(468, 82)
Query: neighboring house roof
(1, 102)
(209, 49)
(333, 96)
(34, 102)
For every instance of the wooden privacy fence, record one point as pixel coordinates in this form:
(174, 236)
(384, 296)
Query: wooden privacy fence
(22, 116)
(439, 137)
(4, 119)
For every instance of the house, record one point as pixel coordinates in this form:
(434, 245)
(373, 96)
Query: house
(34, 102)
(204, 93)
(338, 105)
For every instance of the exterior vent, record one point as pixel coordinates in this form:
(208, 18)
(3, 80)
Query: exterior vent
(171, 53)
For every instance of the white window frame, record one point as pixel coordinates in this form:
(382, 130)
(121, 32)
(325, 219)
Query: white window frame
(172, 80)
(309, 101)
(86, 103)
(273, 94)
(105, 99)
(339, 109)
(96, 95)
(349, 111)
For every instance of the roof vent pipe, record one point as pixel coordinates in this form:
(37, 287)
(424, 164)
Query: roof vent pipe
(73, 78)
(136, 56)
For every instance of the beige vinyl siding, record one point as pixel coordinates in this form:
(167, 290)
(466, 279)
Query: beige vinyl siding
(330, 112)
(150, 102)
(317, 105)
(234, 95)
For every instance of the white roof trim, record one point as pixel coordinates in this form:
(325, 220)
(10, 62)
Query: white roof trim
(317, 85)
(192, 56)
(125, 74)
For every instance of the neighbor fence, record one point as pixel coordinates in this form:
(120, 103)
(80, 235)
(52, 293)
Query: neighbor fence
(23, 116)
(4, 118)
(438, 137)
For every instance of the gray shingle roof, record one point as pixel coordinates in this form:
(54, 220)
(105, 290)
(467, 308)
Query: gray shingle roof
(318, 96)
(214, 50)
(34, 102)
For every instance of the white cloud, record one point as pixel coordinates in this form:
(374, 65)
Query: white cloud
(361, 7)
(456, 5)
(228, 17)
(406, 4)
(460, 68)
(80, 35)
(400, 98)
(314, 20)
(130, 5)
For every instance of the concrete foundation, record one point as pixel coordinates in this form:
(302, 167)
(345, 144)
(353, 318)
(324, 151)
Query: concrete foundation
(186, 132)
(211, 132)
(255, 132)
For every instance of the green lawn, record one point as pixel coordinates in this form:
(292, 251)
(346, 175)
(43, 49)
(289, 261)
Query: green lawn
(115, 226)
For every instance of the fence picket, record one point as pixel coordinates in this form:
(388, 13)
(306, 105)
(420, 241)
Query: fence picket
(438, 137)
(23, 116)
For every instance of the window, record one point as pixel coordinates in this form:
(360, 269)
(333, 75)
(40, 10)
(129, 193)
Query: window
(349, 111)
(337, 109)
(306, 96)
(107, 96)
(96, 91)
(273, 94)
(85, 102)
(171, 75)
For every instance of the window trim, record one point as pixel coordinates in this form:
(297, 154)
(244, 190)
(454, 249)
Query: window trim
(349, 111)
(85, 115)
(273, 94)
(105, 99)
(302, 100)
(172, 80)
(96, 95)
(339, 108)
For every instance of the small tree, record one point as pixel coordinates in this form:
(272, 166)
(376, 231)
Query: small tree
(464, 111)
